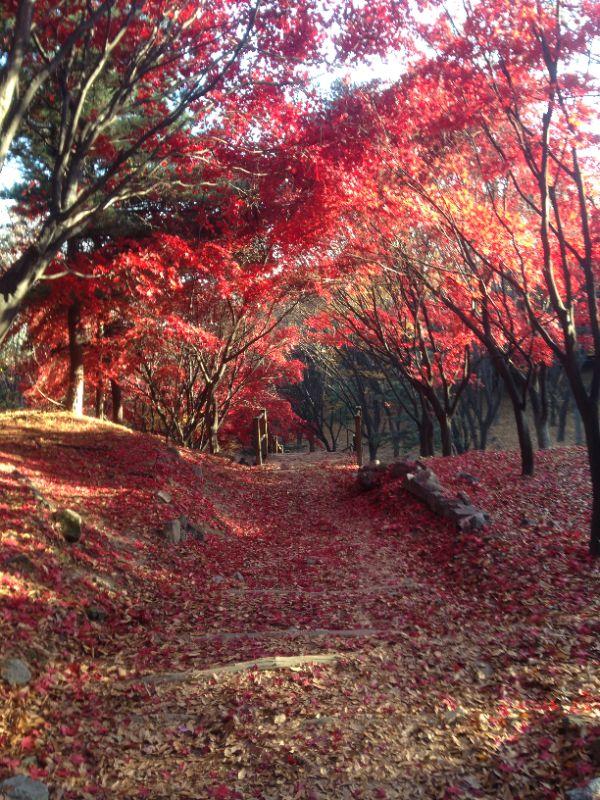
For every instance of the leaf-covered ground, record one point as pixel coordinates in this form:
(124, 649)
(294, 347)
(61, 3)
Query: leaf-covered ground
(462, 667)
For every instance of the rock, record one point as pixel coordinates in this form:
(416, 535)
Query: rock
(22, 787)
(464, 497)
(96, 613)
(20, 563)
(187, 530)
(164, 496)
(484, 672)
(400, 469)
(525, 522)
(425, 485)
(70, 523)
(239, 577)
(197, 470)
(589, 792)
(218, 579)
(311, 562)
(371, 475)
(466, 476)
(15, 671)
(172, 531)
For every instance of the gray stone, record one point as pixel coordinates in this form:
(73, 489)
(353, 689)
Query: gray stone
(589, 792)
(95, 613)
(22, 787)
(164, 496)
(466, 476)
(484, 672)
(70, 524)
(239, 577)
(189, 530)
(400, 469)
(218, 579)
(15, 671)
(371, 475)
(172, 531)
(20, 563)
(464, 497)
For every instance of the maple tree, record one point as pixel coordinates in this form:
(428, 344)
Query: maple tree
(105, 95)
(474, 175)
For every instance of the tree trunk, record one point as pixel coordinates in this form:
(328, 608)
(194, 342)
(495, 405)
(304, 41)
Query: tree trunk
(563, 414)
(445, 433)
(213, 428)
(539, 406)
(117, 402)
(426, 430)
(100, 401)
(525, 443)
(76, 370)
(373, 448)
(591, 425)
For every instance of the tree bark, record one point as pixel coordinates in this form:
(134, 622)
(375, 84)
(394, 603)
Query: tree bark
(591, 426)
(100, 401)
(539, 406)
(445, 433)
(426, 430)
(75, 390)
(563, 414)
(117, 402)
(213, 428)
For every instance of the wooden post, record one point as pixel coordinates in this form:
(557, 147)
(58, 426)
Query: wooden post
(358, 436)
(257, 440)
(265, 435)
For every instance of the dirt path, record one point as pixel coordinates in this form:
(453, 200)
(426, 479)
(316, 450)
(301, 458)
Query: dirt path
(320, 643)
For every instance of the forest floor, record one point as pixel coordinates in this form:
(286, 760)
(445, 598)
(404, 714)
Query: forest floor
(441, 666)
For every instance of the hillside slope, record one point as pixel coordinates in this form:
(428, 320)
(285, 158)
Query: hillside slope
(449, 664)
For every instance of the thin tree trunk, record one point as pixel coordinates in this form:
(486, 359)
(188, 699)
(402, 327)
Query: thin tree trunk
(563, 414)
(426, 430)
(525, 443)
(213, 428)
(539, 406)
(591, 425)
(76, 369)
(100, 400)
(445, 433)
(117, 402)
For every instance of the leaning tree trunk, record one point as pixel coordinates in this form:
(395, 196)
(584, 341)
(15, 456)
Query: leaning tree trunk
(524, 436)
(117, 402)
(76, 369)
